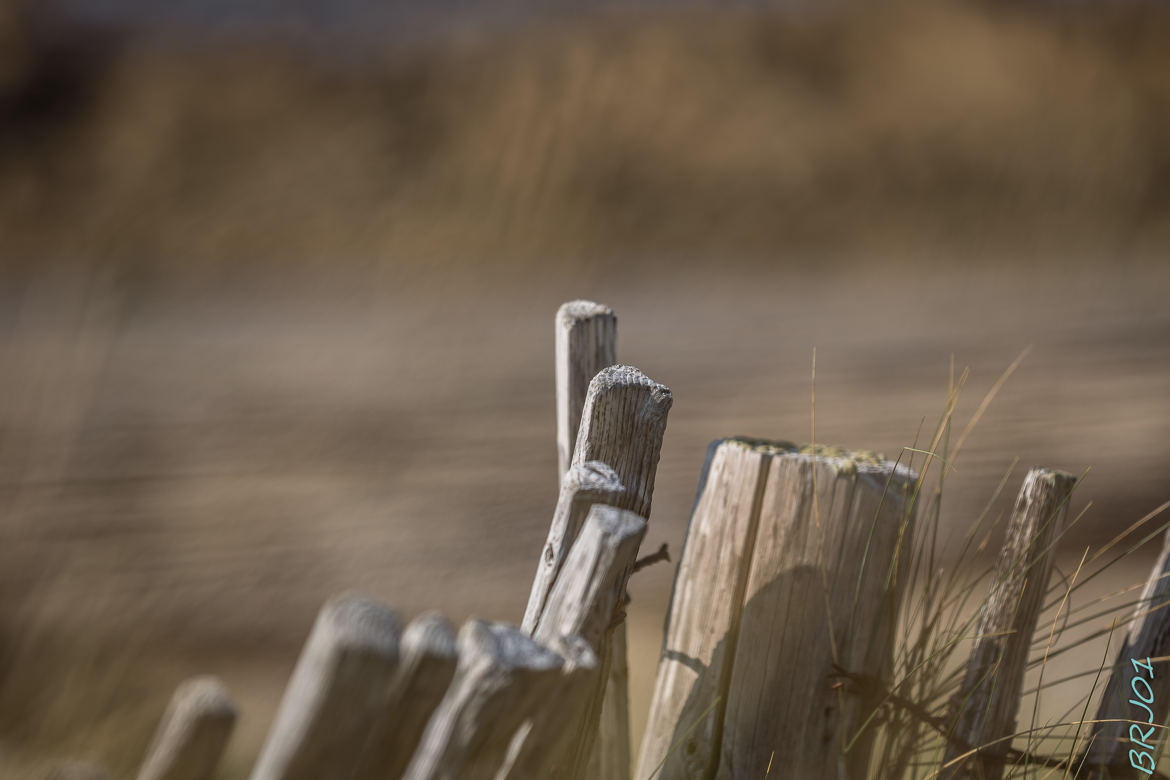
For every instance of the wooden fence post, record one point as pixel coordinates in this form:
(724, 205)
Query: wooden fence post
(622, 423)
(546, 745)
(336, 691)
(586, 342)
(502, 678)
(703, 618)
(986, 706)
(1147, 643)
(788, 569)
(425, 670)
(585, 484)
(584, 601)
(193, 732)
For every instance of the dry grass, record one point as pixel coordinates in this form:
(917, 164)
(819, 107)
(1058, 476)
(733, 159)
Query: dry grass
(940, 129)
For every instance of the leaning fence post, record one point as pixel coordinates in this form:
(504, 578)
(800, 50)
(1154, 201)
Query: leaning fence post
(584, 601)
(339, 685)
(985, 709)
(192, 734)
(1113, 754)
(425, 670)
(586, 342)
(622, 423)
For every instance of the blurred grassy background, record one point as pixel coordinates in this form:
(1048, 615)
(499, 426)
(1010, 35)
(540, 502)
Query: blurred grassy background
(275, 307)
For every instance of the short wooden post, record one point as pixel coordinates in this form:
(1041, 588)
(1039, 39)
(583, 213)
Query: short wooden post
(788, 568)
(546, 746)
(586, 342)
(986, 707)
(337, 689)
(585, 601)
(425, 671)
(192, 734)
(706, 601)
(502, 677)
(1116, 749)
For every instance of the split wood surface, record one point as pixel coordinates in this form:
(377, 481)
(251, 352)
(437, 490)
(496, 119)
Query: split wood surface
(786, 570)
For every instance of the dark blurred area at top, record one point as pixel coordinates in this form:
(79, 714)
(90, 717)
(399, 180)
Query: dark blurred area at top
(199, 136)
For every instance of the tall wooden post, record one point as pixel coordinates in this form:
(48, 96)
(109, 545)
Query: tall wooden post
(619, 442)
(586, 342)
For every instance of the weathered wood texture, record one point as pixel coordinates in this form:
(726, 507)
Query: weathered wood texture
(585, 484)
(338, 688)
(586, 342)
(1147, 638)
(703, 620)
(621, 427)
(503, 679)
(547, 744)
(427, 665)
(622, 423)
(593, 583)
(192, 734)
(584, 601)
(785, 571)
(611, 757)
(986, 707)
(822, 588)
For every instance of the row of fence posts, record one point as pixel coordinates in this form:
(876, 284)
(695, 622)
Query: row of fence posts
(792, 568)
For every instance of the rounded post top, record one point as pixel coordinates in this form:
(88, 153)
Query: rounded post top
(574, 311)
(359, 621)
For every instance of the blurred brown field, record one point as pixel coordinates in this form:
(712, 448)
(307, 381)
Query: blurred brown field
(941, 131)
(275, 325)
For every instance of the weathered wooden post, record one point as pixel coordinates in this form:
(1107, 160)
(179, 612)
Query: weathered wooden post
(1138, 691)
(582, 604)
(707, 598)
(986, 707)
(503, 676)
(337, 689)
(586, 342)
(425, 670)
(192, 734)
(622, 423)
(792, 564)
